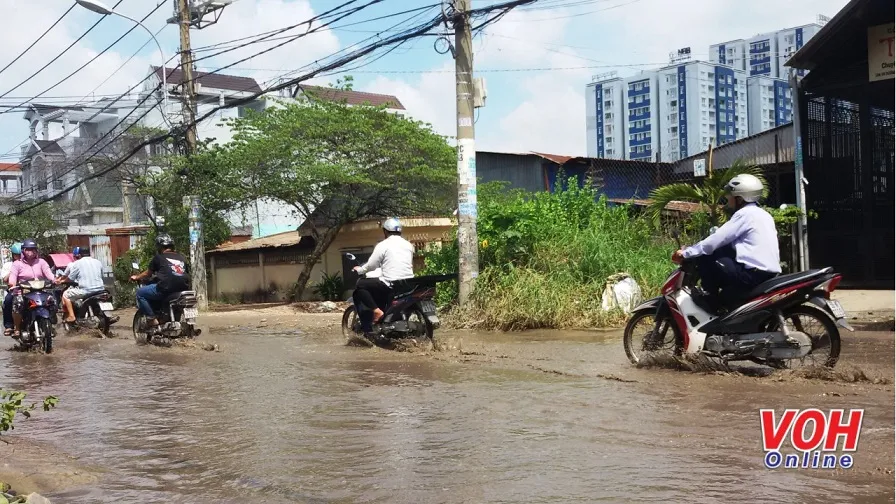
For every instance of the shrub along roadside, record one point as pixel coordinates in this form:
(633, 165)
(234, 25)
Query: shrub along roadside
(545, 259)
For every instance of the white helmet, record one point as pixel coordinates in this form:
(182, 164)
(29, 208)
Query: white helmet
(392, 225)
(746, 186)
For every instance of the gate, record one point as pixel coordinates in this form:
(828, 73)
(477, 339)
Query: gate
(850, 169)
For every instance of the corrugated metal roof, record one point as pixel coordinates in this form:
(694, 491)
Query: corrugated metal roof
(353, 97)
(10, 167)
(805, 57)
(212, 80)
(555, 157)
(285, 239)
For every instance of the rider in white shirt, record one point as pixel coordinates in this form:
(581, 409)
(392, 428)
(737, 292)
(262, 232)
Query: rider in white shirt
(394, 256)
(743, 252)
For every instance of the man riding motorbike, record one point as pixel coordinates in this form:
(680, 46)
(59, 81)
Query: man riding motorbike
(395, 256)
(171, 269)
(29, 267)
(742, 253)
(88, 273)
(16, 251)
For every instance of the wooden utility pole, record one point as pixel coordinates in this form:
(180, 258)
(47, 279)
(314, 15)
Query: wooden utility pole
(192, 202)
(468, 242)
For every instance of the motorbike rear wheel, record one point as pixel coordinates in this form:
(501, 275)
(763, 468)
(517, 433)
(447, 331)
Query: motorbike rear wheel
(634, 343)
(825, 351)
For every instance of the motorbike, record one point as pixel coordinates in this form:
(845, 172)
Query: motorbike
(410, 314)
(38, 308)
(176, 315)
(756, 330)
(92, 312)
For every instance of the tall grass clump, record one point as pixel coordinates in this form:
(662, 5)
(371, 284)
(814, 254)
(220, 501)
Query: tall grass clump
(545, 259)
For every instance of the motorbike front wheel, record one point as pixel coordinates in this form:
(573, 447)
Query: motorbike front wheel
(46, 334)
(351, 323)
(140, 335)
(636, 340)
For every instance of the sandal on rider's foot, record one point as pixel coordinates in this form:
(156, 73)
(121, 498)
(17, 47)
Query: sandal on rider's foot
(67, 321)
(7, 332)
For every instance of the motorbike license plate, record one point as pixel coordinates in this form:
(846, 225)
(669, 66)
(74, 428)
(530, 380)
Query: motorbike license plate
(191, 313)
(836, 309)
(106, 307)
(428, 306)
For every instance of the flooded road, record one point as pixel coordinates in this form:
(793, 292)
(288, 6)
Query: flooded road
(280, 415)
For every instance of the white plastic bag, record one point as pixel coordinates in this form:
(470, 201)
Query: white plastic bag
(622, 292)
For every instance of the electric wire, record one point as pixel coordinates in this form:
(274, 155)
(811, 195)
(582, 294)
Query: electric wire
(42, 35)
(17, 86)
(396, 39)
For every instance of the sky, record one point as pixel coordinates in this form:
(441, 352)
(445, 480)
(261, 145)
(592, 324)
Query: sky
(536, 60)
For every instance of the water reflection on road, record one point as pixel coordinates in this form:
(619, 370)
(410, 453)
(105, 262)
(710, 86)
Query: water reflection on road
(295, 418)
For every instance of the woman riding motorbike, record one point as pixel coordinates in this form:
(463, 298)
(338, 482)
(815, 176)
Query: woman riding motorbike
(29, 267)
(16, 252)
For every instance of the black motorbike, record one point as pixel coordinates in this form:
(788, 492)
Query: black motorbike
(410, 314)
(176, 315)
(92, 312)
(37, 304)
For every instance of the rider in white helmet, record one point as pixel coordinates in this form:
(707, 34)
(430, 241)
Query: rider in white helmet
(743, 252)
(395, 258)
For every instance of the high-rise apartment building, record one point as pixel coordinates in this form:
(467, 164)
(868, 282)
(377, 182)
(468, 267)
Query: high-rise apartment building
(769, 103)
(678, 110)
(766, 53)
(671, 113)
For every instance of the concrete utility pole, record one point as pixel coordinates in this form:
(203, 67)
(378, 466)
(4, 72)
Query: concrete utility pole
(188, 92)
(468, 242)
(802, 234)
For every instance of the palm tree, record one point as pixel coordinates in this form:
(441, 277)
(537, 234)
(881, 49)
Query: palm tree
(707, 193)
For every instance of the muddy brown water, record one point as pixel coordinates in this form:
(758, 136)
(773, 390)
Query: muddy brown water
(281, 415)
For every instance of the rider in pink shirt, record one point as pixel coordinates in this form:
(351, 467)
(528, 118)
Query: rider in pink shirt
(29, 267)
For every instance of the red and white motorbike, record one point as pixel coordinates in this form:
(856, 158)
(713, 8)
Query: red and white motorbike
(786, 319)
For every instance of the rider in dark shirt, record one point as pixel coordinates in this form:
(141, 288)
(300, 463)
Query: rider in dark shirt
(173, 275)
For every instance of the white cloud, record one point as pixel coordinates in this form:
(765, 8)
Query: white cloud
(548, 118)
(548, 111)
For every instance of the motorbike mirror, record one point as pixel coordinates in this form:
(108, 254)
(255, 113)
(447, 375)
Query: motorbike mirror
(135, 266)
(713, 229)
(677, 235)
(350, 256)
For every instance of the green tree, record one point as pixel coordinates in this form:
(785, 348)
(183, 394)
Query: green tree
(335, 164)
(37, 223)
(707, 193)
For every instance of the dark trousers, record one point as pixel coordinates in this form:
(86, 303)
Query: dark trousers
(726, 279)
(370, 294)
(7, 311)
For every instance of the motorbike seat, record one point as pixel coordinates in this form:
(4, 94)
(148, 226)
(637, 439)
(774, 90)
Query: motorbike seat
(177, 295)
(782, 281)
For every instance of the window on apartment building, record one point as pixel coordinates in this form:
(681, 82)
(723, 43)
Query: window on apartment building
(608, 104)
(608, 115)
(730, 130)
(609, 152)
(771, 114)
(673, 103)
(712, 88)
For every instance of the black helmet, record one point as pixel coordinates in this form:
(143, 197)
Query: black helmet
(28, 244)
(164, 241)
